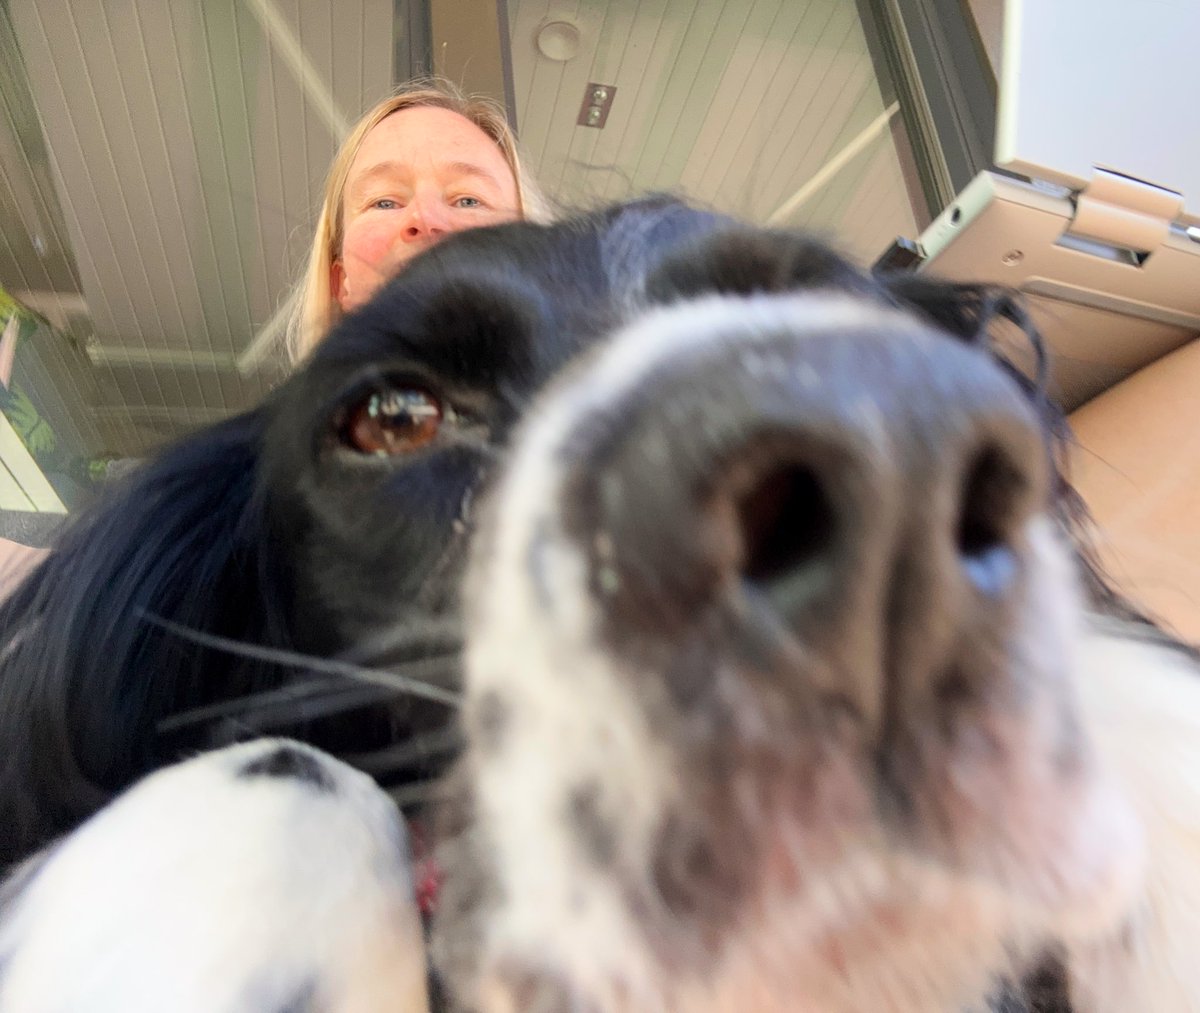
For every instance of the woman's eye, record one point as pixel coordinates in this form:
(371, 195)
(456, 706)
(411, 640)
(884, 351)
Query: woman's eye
(385, 204)
(468, 202)
(393, 421)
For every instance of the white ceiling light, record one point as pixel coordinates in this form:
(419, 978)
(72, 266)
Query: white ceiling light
(558, 40)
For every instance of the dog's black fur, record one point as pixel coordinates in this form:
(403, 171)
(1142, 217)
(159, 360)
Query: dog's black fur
(273, 530)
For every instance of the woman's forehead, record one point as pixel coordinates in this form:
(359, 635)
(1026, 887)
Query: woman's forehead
(429, 138)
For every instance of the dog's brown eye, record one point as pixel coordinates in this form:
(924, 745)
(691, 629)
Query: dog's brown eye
(393, 421)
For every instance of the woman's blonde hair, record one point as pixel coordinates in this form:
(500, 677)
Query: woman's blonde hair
(314, 309)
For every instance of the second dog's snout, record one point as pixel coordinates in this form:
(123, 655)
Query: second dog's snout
(865, 487)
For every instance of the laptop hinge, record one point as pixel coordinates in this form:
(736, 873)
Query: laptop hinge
(1124, 213)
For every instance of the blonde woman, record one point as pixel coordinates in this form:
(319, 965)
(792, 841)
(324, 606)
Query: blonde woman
(425, 162)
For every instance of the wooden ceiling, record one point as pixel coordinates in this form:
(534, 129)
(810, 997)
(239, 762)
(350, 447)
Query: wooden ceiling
(743, 105)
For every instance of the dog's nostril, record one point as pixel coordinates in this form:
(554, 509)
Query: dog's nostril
(992, 498)
(786, 522)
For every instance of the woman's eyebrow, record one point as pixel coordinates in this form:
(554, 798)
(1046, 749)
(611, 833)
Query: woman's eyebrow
(391, 168)
(374, 172)
(471, 169)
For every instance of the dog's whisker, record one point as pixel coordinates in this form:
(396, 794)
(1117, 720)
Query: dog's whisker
(303, 710)
(393, 681)
(423, 634)
(406, 754)
(321, 693)
(287, 720)
(238, 706)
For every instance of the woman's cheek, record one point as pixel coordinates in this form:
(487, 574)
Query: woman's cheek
(367, 255)
(368, 241)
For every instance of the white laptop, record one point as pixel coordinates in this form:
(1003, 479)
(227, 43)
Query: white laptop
(1099, 120)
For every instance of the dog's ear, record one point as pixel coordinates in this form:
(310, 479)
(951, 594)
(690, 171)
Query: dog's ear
(994, 319)
(972, 312)
(85, 673)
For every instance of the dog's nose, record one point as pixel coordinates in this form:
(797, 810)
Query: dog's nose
(851, 483)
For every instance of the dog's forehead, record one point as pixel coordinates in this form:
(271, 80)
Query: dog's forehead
(639, 238)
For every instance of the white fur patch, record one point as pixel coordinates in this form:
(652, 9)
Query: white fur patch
(1142, 702)
(201, 891)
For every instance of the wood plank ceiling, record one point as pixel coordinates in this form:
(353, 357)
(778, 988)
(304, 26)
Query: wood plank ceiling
(160, 163)
(185, 147)
(739, 104)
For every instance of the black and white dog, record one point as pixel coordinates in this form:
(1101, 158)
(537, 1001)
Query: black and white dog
(736, 588)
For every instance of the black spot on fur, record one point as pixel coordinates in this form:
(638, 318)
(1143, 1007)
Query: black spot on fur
(1044, 990)
(304, 1001)
(270, 997)
(590, 825)
(492, 719)
(292, 763)
(698, 879)
(535, 991)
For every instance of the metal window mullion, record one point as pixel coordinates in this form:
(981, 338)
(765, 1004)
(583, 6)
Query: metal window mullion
(412, 54)
(946, 89)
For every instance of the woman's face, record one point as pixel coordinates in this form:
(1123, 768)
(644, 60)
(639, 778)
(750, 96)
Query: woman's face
(419, 174)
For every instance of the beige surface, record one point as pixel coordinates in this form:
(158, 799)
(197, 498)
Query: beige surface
(989, 23)
(1138, 467)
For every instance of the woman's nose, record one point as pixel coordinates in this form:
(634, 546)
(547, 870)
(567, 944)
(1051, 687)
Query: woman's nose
(427, 218)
